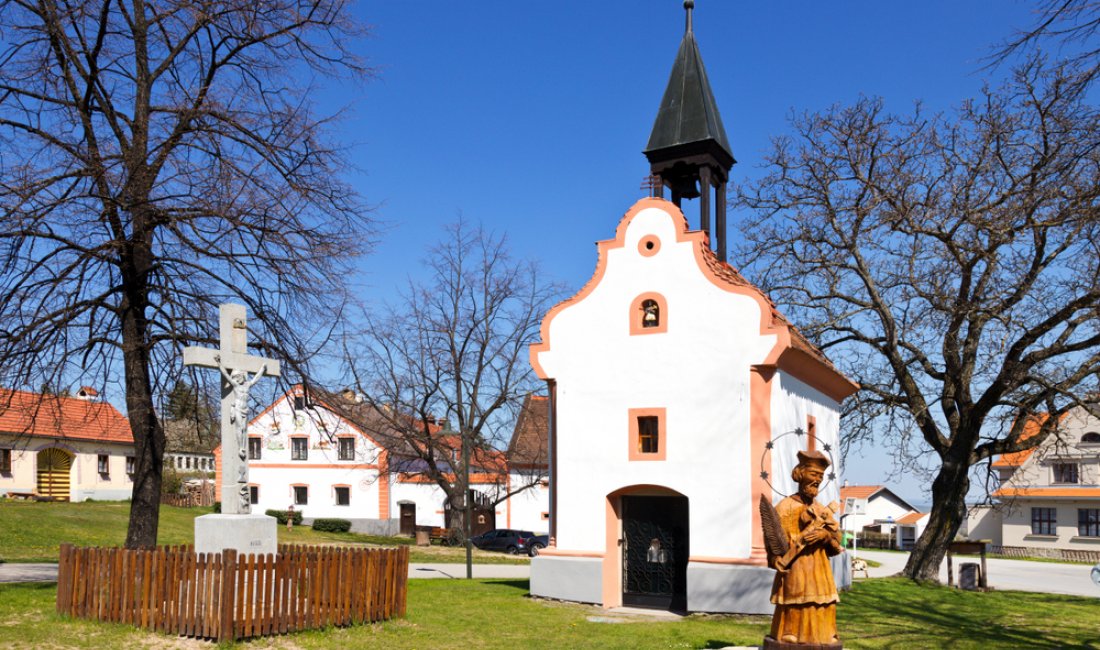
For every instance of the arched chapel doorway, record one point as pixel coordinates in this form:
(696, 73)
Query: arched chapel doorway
(648, 537)
(54, 471)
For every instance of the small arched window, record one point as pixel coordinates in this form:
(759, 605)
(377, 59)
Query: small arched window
(648, 314)
(1091, 438)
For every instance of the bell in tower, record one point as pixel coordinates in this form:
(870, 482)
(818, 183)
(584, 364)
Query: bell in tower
(688, 152)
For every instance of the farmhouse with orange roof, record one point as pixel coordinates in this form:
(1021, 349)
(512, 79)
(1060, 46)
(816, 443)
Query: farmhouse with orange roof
(64, 448)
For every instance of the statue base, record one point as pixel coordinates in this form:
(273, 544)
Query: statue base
(250, 533)
(772, 644)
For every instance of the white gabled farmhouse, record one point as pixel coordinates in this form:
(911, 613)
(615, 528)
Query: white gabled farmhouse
(331, 457)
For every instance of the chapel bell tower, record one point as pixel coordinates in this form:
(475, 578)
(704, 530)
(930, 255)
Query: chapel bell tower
(688, 151)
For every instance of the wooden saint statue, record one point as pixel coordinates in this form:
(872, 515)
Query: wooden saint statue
(801, 535)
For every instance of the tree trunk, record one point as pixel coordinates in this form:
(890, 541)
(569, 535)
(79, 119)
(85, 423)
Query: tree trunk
(948, 510)
(144, 424)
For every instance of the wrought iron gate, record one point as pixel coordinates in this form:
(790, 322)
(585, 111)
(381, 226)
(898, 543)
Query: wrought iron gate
(655, 551)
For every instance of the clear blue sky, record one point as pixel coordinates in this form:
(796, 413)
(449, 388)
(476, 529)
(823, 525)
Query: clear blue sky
(531, 116)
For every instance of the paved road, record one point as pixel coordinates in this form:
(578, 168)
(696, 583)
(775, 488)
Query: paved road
(48, 572)
(1044, 577)
(1021, 575)
(28, 572)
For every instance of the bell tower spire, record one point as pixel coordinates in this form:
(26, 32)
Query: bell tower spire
(688, 151)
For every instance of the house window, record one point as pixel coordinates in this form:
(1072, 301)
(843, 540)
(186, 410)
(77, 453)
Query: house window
(103, 464)
(343, 495)
(253, 494)
(1088, 522)
(130, 465)
(5, 460)
(254, 448)
(301, 495)
(188, 462)
(346, 450)
(299, 448)
(1044, 521)
(1065, 472)
(648, 436)
(1091, 438)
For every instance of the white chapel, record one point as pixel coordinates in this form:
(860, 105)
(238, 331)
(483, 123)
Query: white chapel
(678, 395)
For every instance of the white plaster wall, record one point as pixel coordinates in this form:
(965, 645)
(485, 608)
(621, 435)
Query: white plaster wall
(1016, 530)
(793, 403)
(698, 370)
(276, 493)
(525, 510)
(427, 497)
(983, 522)
(275, 472)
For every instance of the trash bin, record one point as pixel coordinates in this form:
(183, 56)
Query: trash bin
(969, 574)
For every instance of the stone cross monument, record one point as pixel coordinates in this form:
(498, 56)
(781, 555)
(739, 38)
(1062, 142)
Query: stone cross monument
(233, 361)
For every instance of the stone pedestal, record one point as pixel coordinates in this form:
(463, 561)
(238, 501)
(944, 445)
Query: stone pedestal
(244, 533)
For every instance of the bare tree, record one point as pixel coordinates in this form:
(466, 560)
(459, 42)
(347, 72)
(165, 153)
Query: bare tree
(455, 348)
(949, 263)
(1072, 27)
(156, 159)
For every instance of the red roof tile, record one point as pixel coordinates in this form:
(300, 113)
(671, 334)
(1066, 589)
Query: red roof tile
(911, 518)
(32, 414)
(858, 491)
(1031, 427)
(528, 447)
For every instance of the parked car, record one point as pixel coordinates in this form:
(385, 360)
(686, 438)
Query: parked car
(503, 539)
(536, 544)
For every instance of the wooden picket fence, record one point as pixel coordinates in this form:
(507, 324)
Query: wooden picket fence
(225, 596)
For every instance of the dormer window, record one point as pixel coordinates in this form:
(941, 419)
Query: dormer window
(1091, 438)
(648, 314)
(1065, 472)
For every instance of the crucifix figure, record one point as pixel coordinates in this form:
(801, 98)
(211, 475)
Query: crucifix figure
(233, 361)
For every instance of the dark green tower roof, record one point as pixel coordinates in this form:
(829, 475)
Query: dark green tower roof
(688, 113)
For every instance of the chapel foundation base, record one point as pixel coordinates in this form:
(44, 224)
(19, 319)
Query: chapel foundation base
(250, 533)
(577, 579)
(729, 588)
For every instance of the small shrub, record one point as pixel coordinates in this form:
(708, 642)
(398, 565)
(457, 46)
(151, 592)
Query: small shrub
(280, 516)
(332, 525)
(171, 482)
(217, 507)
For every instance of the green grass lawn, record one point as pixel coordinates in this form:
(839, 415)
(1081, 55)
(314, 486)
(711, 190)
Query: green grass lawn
(882, 613)
(34, 532)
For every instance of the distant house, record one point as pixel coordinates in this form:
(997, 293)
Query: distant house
(1050, 496)
(185, 450)
(64, 448)
(886, 512)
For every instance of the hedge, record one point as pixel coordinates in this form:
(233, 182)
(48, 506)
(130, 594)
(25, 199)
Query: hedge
(280, 515)
(332, 525)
